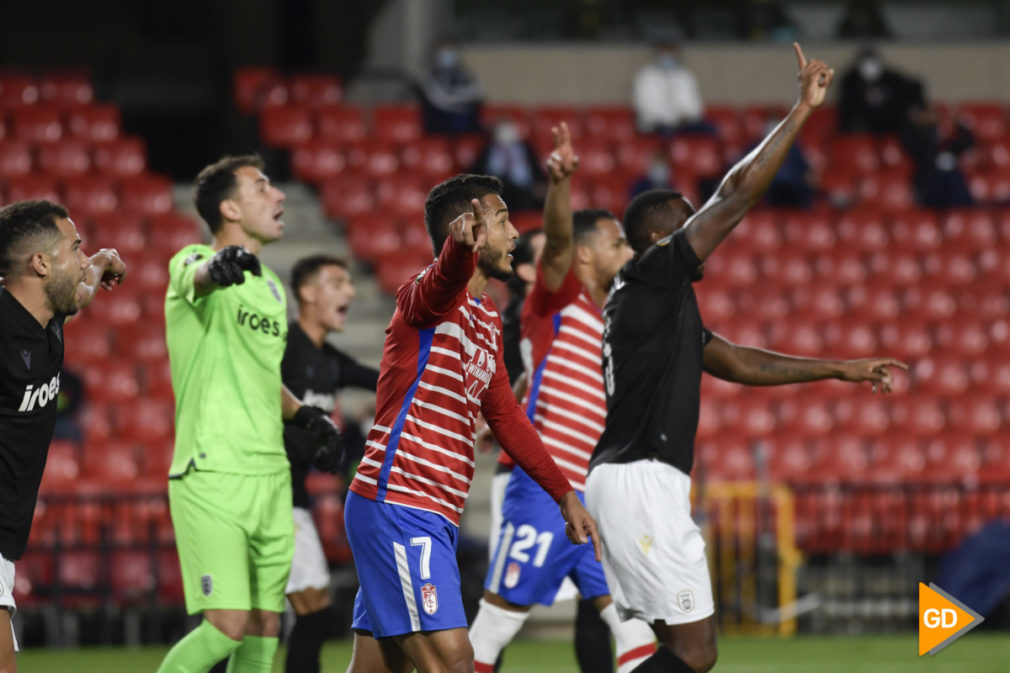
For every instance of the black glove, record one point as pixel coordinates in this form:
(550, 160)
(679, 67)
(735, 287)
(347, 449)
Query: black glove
(227, 266)
(329, 446)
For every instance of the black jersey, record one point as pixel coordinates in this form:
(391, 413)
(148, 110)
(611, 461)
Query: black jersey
(653, 339)
(31, 360)
(314, 375)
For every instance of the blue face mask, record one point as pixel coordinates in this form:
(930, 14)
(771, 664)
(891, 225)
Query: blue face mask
(447, 58)
(667, 61)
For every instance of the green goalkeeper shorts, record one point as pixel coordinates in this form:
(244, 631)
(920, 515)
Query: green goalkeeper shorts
(235, 536)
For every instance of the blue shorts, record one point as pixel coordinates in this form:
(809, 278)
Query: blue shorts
(533, 555)
(406, 563)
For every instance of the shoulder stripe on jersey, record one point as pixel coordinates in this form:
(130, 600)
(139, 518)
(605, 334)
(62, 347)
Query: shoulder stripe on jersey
(424, 338)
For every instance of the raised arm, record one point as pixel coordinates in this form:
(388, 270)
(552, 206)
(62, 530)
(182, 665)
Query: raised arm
(748, 179)
(559, 249)
(227, 267)
(106, 270)
(759, 367)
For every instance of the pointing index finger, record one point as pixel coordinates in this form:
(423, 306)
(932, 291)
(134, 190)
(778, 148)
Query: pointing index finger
(799, 55)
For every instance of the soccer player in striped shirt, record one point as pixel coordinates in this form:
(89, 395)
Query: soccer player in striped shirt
(442, 365)
(562, 332)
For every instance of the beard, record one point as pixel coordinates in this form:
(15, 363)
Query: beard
(493, 265)
(62, 295)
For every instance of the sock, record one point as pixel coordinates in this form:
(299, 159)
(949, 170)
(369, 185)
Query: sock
(633, 638)
(492, 629)
(306, 641)
(663, 661)
(203, 647)
(254, 655)
(592, 640)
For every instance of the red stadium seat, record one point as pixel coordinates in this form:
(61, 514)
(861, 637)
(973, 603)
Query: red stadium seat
(820, 128)
(111, 381)
(396, 268)
(896, 458)
(634, 155)
(17, 90)
(121, 157)
(716, 302)
(315, 90)
(15, 158)
(805, 416)
(526, 220)
(795, 338)
(841, 458)
(699, 155)
(737, 269)
(850, 339)
(709, 422)
(894, 267)
(131, 575)
(92, 196)
(397, 122)
(169, 576)
(752, 417)
(755, 118)
(990, 186)
(113, 462)
(376, 158)
(726, 458)
(157, 380)
(810, 231)
(347, 196)
(930, 302)
(94, 123)
(877, 303)
(920, 416)
(32, 186)
(609, 123)
(147, 422)
(760, 231)
(987, 120)
(125, 308)
(143, 342)
(951, 267)
(728, 123)
(401, 196)
(790, 458)
(88, 341)
(374, 238)
(855, 154)
(146, 194)
(905, 339)
(916, 230)
(286, 126)
(819, 300)
(609, 192)
(546, 116)
(67, 158)
(170, 232)
(976, 414)
(945, 376)
(66, 88)
(342, 124)
(466, 148)
(862, 415)
(517, 114)
(787, 269)
(63, 464)
(970, 229)
(316, 161)
(840, 266)
(839, 186)
(430, 157)
(251, 87)
(887, 191)
(596, 158)
(893, 158)
(38, 123)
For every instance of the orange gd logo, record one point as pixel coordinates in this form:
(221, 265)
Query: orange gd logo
(942, 619)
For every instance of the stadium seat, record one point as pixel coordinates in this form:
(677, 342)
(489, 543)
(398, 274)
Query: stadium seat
(401, 196)
(896, 458)
(929, 302)
(147, 422)
(839, 187)
(254, 87)
(286, 126)
(544, 117)
(952, 268)
(131, 575)
(518, 114)
(169, 577)
(855, 153)
(100, 123)
(970, 229)
(38, 123)
(987, 120)
(66, 88)
(716, 302)
(347, 196)
(787, 269)
(81, 577)
(375, 158)
(841, 458)
(944, 376)
(157, 380)
(893, 158)
(146, 194)
(922, 416)
(15, 158)
(17, 90)
(750, 416)
(795, 338)
(143, 342)
(395, 268)
(63, 465)
(121, 157)
(315, 90)
(91, 196)
(975, 414)
(32, 186)
(698, 155)
(67, 158)
(819, 128)
(466, 148)
(374, 238)
(916, 230)
(609, 123)
(170, 232)
(820, 300)
(397, 122)
(759, 231)
(839, 267)
(112, 463)
(596, 157)
(111, 381)
(862, 415)
(709, 422)
(887, 191)
(811, 231)
(851, 338)
(727, 122)
(894, 267)
(526, 220)
(806, 416)
(316, 161)
(754, 119)
(873, 302)
(429, 157)
(789, 458)
(88, 341)
(634, 155)
(341, 124)
(905, 339)
(990, 186)
(735, 268)
(608, 192)
(725, 458)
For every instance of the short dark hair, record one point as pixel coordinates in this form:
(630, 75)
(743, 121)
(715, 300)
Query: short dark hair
(450, 199)
(307, 267)
(642, 216)
(217, 182)
(584, 222)
(24, 225)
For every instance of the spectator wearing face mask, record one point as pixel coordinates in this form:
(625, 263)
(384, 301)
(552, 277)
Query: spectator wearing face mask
(656, 176)
(507, 157)
(876, 99)
(451, 96)
(665, 96)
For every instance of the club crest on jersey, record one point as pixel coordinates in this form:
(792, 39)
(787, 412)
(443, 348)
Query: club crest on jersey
(40, 396)
(206, 585)
(429, 598)
(685, 599)
(512, 575)
(478, 372)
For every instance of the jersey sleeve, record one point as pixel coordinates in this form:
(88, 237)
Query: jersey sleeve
(353, 374)
(543, 302)
(182, 269)
(434, 293)
(516, 434)
(670, 261)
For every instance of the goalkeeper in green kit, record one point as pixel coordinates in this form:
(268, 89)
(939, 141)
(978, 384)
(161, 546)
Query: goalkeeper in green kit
(229, 484)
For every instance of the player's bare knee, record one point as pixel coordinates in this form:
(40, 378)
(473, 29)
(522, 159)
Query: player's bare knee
(460, 660)
(232, 623)
(264, 624)
(9, 668)
(701, 658)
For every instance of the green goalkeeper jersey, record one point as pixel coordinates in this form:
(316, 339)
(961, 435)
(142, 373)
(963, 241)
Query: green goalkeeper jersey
(225, 350)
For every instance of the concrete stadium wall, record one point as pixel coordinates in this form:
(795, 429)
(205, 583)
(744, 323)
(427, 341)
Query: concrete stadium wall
(727, 73)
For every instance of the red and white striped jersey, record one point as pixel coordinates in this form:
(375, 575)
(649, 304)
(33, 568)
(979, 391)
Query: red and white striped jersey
(562, 331)
(442, 364)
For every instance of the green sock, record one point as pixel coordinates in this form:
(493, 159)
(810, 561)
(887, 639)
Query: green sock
(254, 655)
(198, 651)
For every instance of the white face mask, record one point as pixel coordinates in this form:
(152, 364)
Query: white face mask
(659, 174)
(870, 69)
(667, 61)
(446, 58)
(506, 134)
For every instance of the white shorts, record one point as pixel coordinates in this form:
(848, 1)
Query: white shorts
(308, 567)
(7, 593)
(499, 482)
(653, 552)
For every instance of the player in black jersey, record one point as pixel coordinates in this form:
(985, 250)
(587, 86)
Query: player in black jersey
(314, 371)
(654, 351)
(46, 278)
